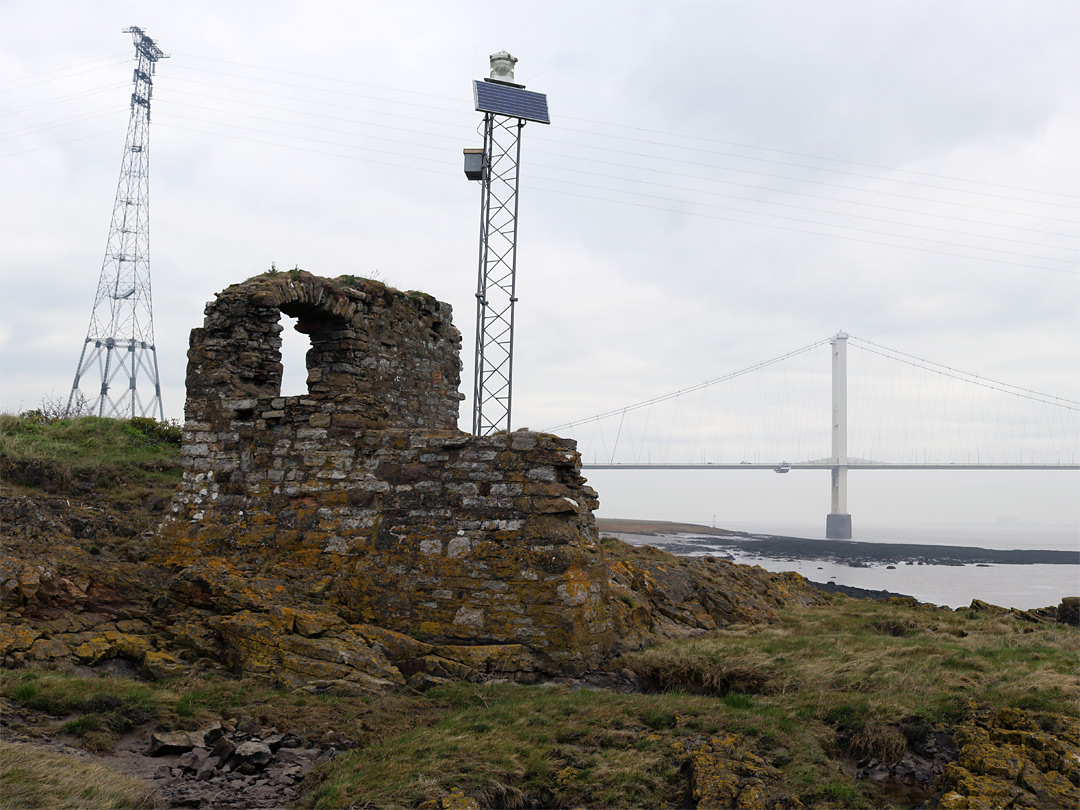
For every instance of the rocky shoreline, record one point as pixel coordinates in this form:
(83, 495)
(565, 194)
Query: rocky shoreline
(687, 539)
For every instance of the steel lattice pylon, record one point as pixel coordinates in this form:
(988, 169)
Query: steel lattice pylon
(119, 343)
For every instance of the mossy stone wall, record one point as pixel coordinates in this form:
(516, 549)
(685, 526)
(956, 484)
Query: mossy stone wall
(364, 493)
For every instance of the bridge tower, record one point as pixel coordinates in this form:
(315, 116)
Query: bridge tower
(506, 106)
(838, 521)
(119, 345)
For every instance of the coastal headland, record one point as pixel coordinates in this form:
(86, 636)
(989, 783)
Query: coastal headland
(336, 601)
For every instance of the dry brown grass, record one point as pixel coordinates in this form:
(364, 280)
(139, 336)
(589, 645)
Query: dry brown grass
(33, 777)
(879, 740)
(695, 667)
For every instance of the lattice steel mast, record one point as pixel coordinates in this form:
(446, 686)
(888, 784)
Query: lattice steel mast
(119, 344)
(506, 107)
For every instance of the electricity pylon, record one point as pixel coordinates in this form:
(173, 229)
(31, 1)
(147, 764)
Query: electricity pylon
(119, 344)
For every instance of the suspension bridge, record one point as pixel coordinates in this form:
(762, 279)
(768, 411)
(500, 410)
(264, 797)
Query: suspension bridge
(803, 410)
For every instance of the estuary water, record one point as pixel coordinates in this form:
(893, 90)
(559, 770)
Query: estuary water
(1019, 586)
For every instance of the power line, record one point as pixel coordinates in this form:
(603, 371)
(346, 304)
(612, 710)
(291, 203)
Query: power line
(824, 224)
(322, 90)
(799, 207)
(818, 169)
(61, 143)
(303, 138)
(692, 163)
(816, 182)
(59, 122)
(814, 233)
(428, 133)
(641, 129)
(312, 151)
(308, 76)
(648, 196)
(58, 70)
(804, 154)
(760, 224)
(597, 174)
(60, 99)
(325, 129)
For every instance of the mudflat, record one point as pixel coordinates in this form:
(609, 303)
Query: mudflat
(696, 538)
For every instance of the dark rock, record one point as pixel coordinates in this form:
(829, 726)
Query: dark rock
(194, 758)
(291, 741)
(174, 742)
(250, 756)
(297, 755)
(1068, 612)
(212, 733)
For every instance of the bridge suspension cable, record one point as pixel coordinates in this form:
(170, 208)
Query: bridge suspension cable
(965, 376)
(673, 394)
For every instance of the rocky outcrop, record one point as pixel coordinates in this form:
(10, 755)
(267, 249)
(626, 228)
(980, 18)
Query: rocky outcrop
(1005, 759)
(352, 539)
(724, 775)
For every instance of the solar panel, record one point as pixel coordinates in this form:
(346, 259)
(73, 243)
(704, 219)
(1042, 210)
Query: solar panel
(502, 99)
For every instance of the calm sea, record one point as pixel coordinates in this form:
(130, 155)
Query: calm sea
(1019, 586)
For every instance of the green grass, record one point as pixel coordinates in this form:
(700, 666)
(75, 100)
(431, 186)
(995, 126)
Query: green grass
(503, 744)
(103, 708)
(856, 665)
(60, 694)
(87, 451)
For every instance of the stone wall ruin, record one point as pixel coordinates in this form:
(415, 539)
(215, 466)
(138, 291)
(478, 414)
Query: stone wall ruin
(364, 495)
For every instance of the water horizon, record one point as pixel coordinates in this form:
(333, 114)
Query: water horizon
(1011, 586)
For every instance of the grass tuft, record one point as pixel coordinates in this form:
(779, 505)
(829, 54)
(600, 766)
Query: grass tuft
(33, 777)
(88, 452)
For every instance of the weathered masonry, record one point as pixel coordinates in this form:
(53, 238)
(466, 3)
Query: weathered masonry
(364, 494)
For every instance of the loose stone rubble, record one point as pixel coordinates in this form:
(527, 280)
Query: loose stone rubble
(235, 764)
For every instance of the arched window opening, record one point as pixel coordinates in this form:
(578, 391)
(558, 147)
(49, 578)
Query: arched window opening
(294, 349)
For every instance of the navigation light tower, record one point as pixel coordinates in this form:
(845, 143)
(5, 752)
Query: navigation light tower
(506, 106)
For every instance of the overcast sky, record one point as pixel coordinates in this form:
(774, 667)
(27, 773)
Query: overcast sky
(722, 183)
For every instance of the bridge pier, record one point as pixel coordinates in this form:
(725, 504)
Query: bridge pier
(837, 527)
(838, 521)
